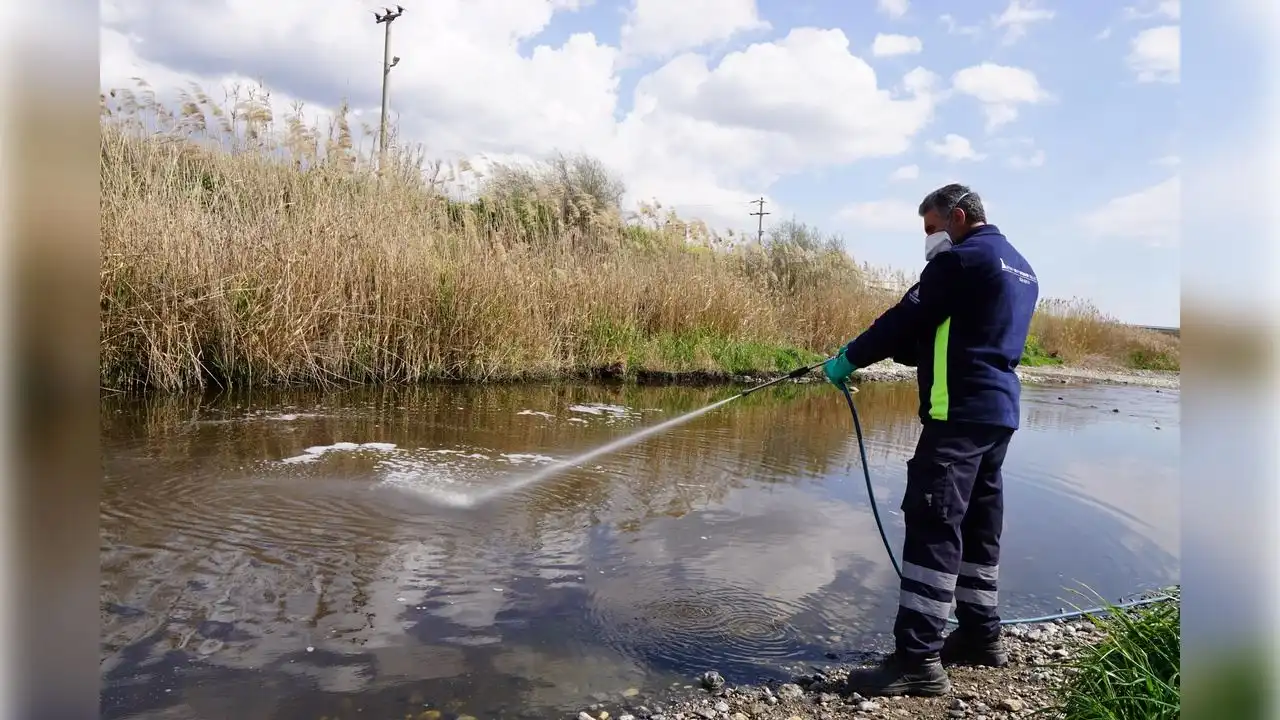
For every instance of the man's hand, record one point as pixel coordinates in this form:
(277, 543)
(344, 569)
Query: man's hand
(838, 369)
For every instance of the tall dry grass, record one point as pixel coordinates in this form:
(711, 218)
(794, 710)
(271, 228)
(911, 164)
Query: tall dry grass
(244, 249)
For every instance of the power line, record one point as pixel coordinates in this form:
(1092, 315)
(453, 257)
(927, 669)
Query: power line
(759, 214)
(388, 62)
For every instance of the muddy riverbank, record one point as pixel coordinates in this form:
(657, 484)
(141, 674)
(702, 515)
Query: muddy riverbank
(887, 371)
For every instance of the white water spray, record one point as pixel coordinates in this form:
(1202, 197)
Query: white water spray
(563, 465)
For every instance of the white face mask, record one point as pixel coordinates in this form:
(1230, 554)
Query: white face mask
(940, 241)
(936, 243)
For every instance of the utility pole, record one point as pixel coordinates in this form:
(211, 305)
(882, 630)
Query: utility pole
(759, 214)
(388, 62)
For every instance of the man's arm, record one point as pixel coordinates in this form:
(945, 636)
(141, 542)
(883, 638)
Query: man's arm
(924, 306)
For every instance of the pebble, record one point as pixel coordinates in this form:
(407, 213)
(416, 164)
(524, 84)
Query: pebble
(584, 716)
(867, 706)
(626, 717)
(1010, 705)
(722, 706)
(790, 691)
(707, 713)
(955, 713)
(630, 693)
(712, 680)
(959, 704)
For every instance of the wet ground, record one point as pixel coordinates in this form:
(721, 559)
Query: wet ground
(380, 553)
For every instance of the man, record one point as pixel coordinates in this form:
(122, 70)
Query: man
(963, 326)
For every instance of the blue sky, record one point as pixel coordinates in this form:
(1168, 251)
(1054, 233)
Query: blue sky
(707, 104)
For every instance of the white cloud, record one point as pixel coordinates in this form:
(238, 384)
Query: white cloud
(906, 172)
(1169, 9)
(1018, 17)
(893, 8)
(1169, 161)
(955, 28)
(893, 45)
(1022, 162)
(1000, 89)
(662, 28)
(1151, 216)
(954, 148)
(712, 135)
(882, 216)
(1155, 54)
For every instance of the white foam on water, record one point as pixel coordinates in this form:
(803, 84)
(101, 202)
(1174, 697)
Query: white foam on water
(538, 413)
(314, 453)
(449, 476)
(602, 409)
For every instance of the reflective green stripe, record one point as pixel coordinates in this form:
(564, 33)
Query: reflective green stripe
(939, 397)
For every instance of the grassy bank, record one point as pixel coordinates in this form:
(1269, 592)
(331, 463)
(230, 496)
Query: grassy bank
(242, 249)
(1133, 672)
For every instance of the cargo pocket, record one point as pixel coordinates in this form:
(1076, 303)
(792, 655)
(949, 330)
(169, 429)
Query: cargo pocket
(929, 492)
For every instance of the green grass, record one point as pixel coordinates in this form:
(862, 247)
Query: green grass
(700, 352)
(1034, 354)
(1141, 359)
(1134, 673)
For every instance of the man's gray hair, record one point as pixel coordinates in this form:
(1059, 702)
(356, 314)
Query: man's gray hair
(951, 196)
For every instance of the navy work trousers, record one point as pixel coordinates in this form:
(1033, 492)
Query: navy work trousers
(953, 508)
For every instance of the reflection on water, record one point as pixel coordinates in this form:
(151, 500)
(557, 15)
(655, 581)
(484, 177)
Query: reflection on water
(283, 556)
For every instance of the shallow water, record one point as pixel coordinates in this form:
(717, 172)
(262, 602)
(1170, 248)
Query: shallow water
(358, 553)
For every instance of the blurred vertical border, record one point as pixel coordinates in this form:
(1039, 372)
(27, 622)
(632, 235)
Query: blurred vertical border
(1230, 403)
(49, 226)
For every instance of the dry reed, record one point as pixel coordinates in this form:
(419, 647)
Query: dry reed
(238, 250)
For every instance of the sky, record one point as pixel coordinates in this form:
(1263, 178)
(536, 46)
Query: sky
(842, 114)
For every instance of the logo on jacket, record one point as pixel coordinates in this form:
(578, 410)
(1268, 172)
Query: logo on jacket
(1023, 277)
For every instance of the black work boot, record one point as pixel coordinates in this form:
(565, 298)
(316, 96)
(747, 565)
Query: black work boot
(963, 648)
(899, 675)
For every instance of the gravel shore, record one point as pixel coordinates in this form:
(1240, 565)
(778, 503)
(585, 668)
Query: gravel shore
(892, 372)
(1038, 663)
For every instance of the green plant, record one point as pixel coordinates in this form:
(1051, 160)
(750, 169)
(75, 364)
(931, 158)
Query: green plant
(1134, 672)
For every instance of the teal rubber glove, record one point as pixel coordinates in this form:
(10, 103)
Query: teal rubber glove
(838, 369)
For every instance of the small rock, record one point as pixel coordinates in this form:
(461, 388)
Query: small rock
(955, 713)
(737, 716)
(790, 691)
(722, 706)
(828, 698)
(867, 706)
(707, 713)
(959, 704)
(585, 716)
(772, 700)
(901, 713)
(711, 680)
(1010, 705)
(604, 715)
(626, 717)
(630, 693)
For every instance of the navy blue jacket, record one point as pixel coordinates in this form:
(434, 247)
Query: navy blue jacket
(963, 326)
